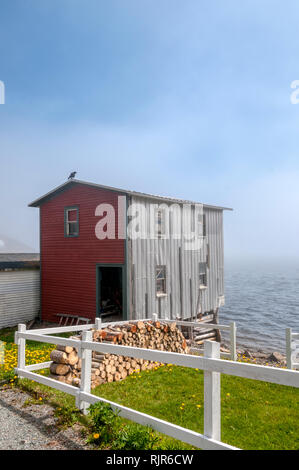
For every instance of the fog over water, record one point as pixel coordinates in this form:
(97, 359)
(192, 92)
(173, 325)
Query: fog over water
(262, 297)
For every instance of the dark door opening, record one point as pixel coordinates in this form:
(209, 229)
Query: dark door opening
(110, 292)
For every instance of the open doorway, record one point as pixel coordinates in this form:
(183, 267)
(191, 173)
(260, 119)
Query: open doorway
(110, 292)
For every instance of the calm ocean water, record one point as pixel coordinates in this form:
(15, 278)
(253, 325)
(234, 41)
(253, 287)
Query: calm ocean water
(263, 299)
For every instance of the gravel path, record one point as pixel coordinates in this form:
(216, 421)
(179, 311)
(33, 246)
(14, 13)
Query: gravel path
(33, 427)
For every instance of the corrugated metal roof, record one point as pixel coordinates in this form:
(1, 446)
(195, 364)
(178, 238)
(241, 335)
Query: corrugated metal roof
(72, 182)
(19, 260)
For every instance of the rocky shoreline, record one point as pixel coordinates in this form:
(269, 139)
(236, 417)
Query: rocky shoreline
(257, 356)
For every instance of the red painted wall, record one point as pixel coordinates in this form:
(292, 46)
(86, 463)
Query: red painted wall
(68, 265)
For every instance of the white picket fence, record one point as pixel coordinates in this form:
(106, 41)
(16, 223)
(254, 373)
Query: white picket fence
(210, 363)
(292, 349)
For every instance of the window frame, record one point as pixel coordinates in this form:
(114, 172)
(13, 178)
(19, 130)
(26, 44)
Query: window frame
(161, 267)
(203, 284)
(160, 222)
(202, 224)
(67, 222)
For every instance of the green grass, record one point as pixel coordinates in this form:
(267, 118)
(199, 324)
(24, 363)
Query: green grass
(254, 414)
(35, 352)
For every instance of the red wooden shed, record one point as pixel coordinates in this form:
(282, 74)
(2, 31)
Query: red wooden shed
(86, 273)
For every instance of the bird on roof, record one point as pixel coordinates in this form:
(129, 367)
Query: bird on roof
(72, 175)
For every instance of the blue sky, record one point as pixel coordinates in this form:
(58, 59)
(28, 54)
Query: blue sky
(187, 99)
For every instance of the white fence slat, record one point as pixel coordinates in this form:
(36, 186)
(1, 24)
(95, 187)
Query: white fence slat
(250, 371)
(212, 408)
(49, 339)
(41, 365)
(85, 369)
(21, 342)
(186, 435)
(46, 381)
(289, 347)
(63, 329)
(233, 345)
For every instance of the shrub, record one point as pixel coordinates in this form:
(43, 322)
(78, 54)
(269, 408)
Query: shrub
(135, 437)
(103, 420)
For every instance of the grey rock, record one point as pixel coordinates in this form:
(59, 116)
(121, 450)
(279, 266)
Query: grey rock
(276, 357)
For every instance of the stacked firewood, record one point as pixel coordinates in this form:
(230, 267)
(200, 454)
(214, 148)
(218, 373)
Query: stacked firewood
(66, 365)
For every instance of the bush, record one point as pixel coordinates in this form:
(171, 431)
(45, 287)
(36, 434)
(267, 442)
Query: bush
(103, 421)
(135, 437)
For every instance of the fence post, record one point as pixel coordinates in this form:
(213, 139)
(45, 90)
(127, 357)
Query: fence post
(212, 404)
(154, 317)
(98, 323)
(233, 341)
(21, 342)
(85, 385)
(289, 348)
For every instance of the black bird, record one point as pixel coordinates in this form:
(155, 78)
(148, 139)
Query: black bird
(72, 175)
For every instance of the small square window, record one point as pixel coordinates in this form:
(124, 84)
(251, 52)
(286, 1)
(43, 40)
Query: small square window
(202, 274)
(71, 221)
(161, 280)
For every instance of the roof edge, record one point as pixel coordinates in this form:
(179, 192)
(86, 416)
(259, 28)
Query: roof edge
(72, 182)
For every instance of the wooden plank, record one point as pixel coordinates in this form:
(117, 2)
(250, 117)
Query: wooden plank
(212, 409)
(250, 371)
(63, 329)
(85, 370)
(21, 346)
(289, 348)
(46, 381)
(233, 341)
(50, 339)
(41, 365)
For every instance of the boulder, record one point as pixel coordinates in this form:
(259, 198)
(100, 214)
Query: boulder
(276, 357)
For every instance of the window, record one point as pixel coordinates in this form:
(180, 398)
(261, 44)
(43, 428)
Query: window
(160, 222)
(161, 280)
(71, 221)
(202, 225)
(202, 274)
(208, 256)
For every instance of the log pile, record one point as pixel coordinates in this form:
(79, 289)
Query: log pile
(66, 365)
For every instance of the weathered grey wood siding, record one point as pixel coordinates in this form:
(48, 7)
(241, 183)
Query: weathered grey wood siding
(182, 267)
(19, 296)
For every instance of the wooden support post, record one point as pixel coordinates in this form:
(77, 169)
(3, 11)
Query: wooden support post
(85, 370)
(21, 347)
(155, 317)
(289, 348)
(233, 341)
(98, 323)
(181, 282)
(212, 404)
(146, 304)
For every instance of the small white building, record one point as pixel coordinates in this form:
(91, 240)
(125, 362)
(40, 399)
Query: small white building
(19, 288)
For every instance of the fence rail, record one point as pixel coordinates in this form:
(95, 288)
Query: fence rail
(231, 328)
(292, 349)
(210, 363)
